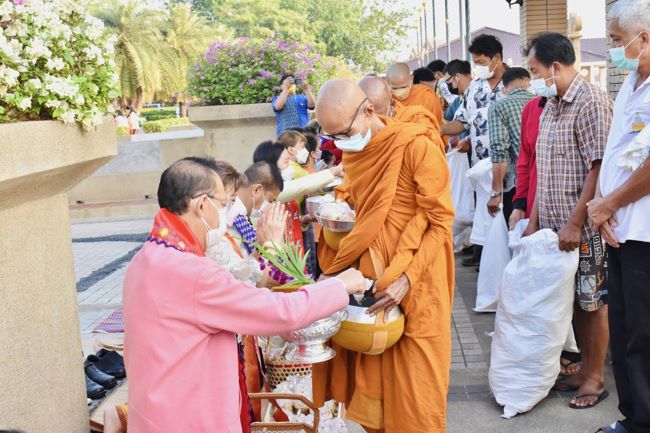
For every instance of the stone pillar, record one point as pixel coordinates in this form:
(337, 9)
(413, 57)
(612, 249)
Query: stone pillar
(232, 132)
(41, 361)
(615, 76)
(537, 16)
(575, 29)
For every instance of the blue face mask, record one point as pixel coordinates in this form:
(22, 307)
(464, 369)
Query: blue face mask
(621, 61)
(356, 143)
(539, 87)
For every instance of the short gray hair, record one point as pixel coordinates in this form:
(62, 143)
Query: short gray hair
(632, 15)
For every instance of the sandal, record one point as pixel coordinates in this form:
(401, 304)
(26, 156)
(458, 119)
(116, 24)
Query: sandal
(599, 398)
(561, 386)
(566, 364)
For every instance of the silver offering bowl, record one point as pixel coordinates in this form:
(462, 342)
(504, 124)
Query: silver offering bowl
(309, 343)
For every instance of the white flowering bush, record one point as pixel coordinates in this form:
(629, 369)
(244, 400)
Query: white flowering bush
(56, 62)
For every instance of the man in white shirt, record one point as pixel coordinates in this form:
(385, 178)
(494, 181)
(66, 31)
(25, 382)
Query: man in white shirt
(622, 213)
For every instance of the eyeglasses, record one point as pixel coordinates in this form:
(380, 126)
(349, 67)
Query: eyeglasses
(344, 135)
(211, 197)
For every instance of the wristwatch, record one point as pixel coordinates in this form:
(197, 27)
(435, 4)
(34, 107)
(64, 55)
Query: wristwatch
(494, 194)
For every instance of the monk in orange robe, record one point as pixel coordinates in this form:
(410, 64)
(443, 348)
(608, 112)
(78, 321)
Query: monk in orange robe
(397, 179)
(379, 95)
(401, 83)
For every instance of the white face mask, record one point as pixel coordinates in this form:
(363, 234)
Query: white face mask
(302, 156)
(622, 61)
(287, 174)
(483, 72)
(539, 87)
(214, 236)
(356, 143)
(238, 208)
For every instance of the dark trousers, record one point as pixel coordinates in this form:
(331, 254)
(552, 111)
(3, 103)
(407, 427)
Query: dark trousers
(507, 204)
(629, 323)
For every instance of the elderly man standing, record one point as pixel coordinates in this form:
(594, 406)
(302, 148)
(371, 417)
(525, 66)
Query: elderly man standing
(401, 83)
(397, 178)
(183, 312)
(570, 146)
(504, 123)
(622, 215)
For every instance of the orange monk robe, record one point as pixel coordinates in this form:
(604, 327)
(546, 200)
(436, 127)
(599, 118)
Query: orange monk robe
(400, 188)
(426, 97)
(416, 114)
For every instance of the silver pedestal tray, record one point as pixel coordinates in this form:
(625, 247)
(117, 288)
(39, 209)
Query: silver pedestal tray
(309, 343)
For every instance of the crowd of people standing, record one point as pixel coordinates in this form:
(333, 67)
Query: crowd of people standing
(554, 143)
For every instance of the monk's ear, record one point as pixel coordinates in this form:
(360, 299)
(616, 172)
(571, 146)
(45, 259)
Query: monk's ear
(370, 110)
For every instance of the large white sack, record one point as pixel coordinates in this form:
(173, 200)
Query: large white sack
(480, 176)
(495, 257)
(533, 320)
(462, 192)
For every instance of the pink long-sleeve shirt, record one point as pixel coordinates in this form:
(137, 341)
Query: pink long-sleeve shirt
(182, 313)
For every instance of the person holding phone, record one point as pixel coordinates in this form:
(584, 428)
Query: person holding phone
(291, 108)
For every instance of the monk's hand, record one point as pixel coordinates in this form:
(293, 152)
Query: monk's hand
(569, 237)
(391, 297)
(271, 226)
(600, 211)
(494, 205)
(464, 145)
(353, 280)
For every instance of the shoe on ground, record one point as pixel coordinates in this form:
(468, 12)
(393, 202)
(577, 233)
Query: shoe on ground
(108, 362)
(471, 262)
(94, 391)
(99, 377)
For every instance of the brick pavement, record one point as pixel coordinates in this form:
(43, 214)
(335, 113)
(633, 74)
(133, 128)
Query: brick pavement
(102, 250)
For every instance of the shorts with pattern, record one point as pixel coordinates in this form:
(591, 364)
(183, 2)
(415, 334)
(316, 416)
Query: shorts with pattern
(591, 291)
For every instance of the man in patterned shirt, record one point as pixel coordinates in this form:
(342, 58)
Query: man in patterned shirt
(570, 146)
(504, 125)
(472, 116)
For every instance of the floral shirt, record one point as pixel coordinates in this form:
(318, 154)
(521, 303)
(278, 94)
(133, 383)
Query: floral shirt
(473, 113)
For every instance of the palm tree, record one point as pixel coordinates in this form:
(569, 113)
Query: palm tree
(145, 64)
(188, 35)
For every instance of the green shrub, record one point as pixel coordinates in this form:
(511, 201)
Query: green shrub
(151, 114)
(164, 124)
(248, 71)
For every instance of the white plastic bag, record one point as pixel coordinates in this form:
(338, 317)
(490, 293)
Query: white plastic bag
(462, 193)
(533, 320)
(495, 257)
(480, 175)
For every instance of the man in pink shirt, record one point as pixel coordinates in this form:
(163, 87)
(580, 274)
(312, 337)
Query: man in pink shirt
(183, 311)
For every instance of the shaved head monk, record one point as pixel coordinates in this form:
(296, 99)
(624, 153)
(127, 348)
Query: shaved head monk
(401, 83)
(397, 179)
(379, 95)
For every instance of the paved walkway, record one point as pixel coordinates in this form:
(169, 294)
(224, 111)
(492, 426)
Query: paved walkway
(102, 249)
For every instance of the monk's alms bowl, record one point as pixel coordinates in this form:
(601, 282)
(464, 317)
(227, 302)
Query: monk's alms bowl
(336, 226)
(310, 341)
(370, 335)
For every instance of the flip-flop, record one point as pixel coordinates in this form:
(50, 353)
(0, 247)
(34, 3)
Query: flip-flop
(562, 386)
(599, 398)
(568, 364)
